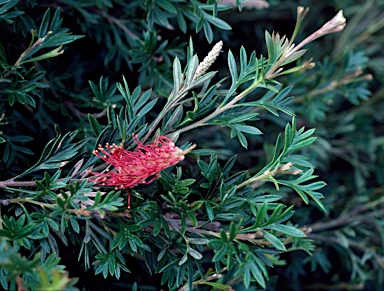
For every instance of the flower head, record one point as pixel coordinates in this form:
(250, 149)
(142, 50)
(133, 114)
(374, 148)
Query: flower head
(141, 166)
(208, 60)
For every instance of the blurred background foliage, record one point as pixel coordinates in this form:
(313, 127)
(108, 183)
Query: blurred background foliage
(44, 93)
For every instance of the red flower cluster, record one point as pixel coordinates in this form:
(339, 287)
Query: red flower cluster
(141, 166)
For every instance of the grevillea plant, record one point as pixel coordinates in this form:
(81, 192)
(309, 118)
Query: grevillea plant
(138, 192)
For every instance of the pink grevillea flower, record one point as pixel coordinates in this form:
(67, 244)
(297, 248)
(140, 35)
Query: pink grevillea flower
(141, 166)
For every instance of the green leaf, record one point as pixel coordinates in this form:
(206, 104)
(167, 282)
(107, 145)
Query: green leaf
(294, 56)
(208, 32)
(209, 210)
(274, 241)
(289, 230)
(94, 125)
(195, 254)
(183, 260)
(261, 213)
(248, 129)
(177, 77)
(233, 230)
(217, 22)
(217, 285)
(181, 21)
(167, 6)
(197, 241)
(232, 67)
(74, 224)
(44, 24)
(51, 54)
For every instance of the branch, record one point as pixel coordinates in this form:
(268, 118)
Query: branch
(12, 183)
(252, 237)
(345, 220)
(80, 114)
(118, 23)
(353, 77)
(336, 24)
(35, 45)
(176, 223)
(263, 178)
(20, 284)
(6, 202)
(334, 240)
(338, 286)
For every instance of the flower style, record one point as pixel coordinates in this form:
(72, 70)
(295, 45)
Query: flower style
(141, 166)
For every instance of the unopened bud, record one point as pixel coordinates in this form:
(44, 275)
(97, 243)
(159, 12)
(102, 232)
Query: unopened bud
(286, 167)
(208, 60)
(336, 24)
(302, 12)
(296, 172)
(308, 65)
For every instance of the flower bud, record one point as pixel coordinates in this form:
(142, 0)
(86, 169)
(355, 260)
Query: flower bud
(208, 60)
(336, 24)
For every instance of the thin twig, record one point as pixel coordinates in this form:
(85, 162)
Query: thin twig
(344, 220)
(20, 284)
(70, 106)
(11, 183)
(253, 237)
(346, 79)
(118, 23)
(334, 240)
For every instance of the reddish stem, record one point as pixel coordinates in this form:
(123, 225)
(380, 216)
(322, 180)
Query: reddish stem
(129, 199)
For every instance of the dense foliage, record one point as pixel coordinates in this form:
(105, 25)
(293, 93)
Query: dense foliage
(281, 185)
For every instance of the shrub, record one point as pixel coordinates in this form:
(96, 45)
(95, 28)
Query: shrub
(156, 167)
